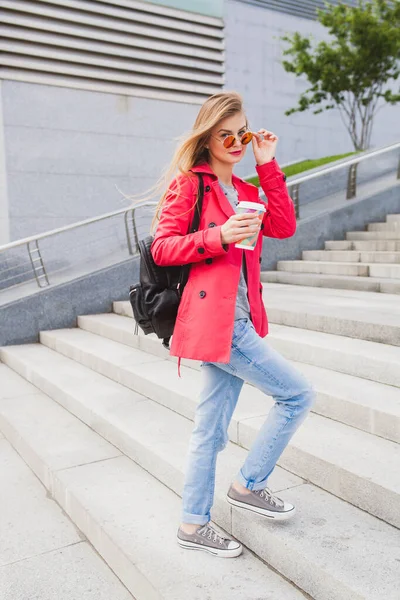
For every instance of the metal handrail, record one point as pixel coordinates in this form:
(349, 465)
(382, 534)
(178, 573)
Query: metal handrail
(294, 182)
(40, 236)
(282, 166)
(32, 242)
(345, 163)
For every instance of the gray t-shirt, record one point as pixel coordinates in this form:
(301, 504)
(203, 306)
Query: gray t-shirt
(242, 309)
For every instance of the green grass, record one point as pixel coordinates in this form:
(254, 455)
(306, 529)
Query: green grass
(305, 165)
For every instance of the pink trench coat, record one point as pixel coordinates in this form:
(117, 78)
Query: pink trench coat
(204, 325)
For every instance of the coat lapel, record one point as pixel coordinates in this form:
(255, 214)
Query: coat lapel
(245, 191)
(222, 199)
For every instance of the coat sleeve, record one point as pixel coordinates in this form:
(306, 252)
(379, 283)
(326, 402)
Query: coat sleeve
(173, 245)
(280, 218)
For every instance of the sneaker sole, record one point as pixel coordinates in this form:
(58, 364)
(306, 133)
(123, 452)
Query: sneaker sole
(276, 516)
(213, 551)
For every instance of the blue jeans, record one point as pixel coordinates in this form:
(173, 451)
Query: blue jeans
(252, 360)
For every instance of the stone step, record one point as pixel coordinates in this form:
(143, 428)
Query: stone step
(372, 235)
(41, 549)
(351, 256)
(330, 549)
(342, 282)
(339, 268)
(364, 487)
(355, 314)
(373, 246)
(341, 396)
(361, 315)
(388, 226)
(391, 218)
(116, 503)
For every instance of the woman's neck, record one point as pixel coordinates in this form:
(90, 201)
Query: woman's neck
(222, 170)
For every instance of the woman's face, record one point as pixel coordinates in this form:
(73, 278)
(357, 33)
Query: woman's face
(235, 125)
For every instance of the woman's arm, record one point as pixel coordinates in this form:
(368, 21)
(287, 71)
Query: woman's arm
(280, 219)
(173, 245)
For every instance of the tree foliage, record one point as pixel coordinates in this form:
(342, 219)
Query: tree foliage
(355, 69)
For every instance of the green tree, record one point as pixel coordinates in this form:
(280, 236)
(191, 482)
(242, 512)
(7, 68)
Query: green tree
(355, 68)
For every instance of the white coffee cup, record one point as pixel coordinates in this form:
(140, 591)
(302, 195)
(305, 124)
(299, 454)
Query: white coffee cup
(249, 243)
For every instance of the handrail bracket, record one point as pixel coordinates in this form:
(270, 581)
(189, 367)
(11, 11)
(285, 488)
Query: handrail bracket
(37, 263)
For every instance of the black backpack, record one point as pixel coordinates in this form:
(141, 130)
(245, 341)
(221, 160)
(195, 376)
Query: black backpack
(155, 300)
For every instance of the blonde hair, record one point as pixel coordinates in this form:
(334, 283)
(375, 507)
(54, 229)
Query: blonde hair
(192, 149)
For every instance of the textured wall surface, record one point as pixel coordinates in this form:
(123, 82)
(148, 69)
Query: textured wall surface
(67, 150)
(58, 307)
(4, 216)
(253, 68)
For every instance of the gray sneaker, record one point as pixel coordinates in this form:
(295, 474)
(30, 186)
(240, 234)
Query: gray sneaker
(262, 502)
(207, 539)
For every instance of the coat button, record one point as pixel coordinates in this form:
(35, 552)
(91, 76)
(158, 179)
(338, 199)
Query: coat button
(200, 250)
(208, 261)
(212, 224)
(207, 189)
(202, 294)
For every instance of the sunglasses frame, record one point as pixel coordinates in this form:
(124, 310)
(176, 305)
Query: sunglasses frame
(229, 141)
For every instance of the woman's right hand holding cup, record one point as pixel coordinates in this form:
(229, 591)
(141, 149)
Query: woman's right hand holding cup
(240, 226)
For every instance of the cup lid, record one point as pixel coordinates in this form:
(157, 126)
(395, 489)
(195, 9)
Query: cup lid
(253, 205)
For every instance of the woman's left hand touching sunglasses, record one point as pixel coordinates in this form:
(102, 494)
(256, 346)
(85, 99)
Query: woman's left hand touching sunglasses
(264, 146)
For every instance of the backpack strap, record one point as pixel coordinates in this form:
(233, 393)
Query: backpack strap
(193, 228)
(199, 204)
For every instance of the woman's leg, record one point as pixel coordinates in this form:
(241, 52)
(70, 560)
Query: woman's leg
(253, 360)
(218, 399)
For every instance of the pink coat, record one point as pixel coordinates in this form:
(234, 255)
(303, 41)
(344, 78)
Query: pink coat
(204, 325)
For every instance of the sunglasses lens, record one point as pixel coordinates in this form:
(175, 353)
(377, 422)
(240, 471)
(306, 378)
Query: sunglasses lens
(229, 141)
(246, 138)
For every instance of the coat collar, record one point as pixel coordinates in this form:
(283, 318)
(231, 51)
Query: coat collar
(223, 200)
(205, 168)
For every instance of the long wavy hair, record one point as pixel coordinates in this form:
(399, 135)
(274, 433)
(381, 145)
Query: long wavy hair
(192, 149)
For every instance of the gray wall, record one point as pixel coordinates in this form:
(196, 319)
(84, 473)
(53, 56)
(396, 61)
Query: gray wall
(253, 67)
(67, 149)
(58, 307)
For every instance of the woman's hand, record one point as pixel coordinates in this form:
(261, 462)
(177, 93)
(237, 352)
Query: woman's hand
(238, 227)
(264, 146)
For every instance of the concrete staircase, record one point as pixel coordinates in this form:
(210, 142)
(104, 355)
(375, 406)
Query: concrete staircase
(102, 418)
(368, 261)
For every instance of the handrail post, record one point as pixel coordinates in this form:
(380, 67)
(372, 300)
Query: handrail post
(128, 237)
(133, 249)
(294, 194)
(352, 182)
(135, 233)
(37, 259)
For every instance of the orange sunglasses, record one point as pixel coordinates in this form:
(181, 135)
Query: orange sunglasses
(229, 141)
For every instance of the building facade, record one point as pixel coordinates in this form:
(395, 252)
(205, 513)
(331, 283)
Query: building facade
(93, 96)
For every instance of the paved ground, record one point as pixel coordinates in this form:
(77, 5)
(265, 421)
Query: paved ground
(43, 556)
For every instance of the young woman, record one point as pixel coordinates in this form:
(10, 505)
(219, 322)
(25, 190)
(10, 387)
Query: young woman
(221, 319)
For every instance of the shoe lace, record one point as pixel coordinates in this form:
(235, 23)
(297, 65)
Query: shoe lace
(210, 533)
(274, 500)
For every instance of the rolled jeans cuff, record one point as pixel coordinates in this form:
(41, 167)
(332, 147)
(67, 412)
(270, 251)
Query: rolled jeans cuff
(251, 485)
(195, 519)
